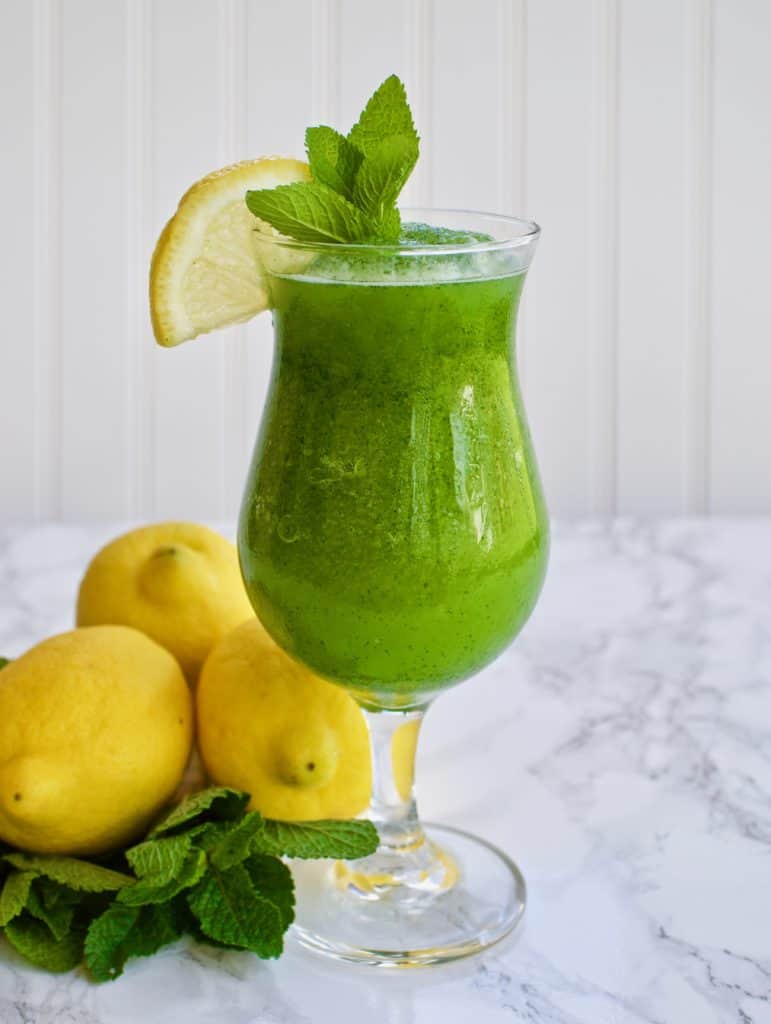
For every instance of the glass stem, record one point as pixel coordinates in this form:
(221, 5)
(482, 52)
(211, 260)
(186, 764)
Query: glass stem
(406, 867)
(392, 807)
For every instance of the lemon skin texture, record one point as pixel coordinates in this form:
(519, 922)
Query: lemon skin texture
(96, 727)
(177, 582)
(269, 726)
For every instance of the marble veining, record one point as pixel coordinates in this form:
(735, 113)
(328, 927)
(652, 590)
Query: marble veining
(620, 751)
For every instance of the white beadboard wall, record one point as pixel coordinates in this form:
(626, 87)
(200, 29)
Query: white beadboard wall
(636, 131)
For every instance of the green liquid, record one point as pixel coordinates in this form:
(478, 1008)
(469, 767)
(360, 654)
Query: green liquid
(393, 535)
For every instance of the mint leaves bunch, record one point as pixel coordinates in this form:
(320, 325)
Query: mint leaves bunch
(357, 177)
(208, 869)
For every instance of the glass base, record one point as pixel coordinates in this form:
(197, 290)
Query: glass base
(349, 916)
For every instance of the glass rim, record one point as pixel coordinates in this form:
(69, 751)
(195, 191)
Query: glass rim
(527, 234)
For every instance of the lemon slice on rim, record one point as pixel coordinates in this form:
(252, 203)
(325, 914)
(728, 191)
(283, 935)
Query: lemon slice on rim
(205, 271)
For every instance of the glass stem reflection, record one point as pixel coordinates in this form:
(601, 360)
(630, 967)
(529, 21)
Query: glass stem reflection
(406, 866)
(392, 809)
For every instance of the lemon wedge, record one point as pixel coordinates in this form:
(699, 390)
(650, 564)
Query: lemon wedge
(206, 272)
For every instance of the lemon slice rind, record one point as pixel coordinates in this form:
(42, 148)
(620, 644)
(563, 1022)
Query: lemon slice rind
(206, 271)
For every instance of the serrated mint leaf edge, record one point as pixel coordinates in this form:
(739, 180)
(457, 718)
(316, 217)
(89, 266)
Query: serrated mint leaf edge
(386, 112)
(145, 892)
(58, 919)
(274, 882)
(383, 175)
(204, 802)
(333, 160)
(309, 211)
(14, 895)
(223, 899)
(33, 940)
(71, 872)
(322, 839)
(234, 847)
(160, 859)
(110, 930)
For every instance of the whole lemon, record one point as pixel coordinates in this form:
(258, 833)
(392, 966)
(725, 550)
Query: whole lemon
(271, 727)
(95, 731)
(177, 582)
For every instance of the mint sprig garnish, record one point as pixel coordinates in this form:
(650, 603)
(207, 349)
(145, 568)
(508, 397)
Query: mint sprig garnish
(309, 212)
(386, 114)
(209, 869)
(334, 160)
(357, 178)
(382, 176)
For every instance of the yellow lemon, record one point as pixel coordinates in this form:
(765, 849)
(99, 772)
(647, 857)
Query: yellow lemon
(404, 746)
(95, 731)
(207, 269)
(177, 582)
(269, 726)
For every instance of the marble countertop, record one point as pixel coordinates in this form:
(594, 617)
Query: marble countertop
(620, 751)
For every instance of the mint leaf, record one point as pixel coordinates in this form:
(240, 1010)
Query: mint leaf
(14, 894)
(52, 904)
(273, 880)
(345, 840)
(34, 941)
(147, 891)
(230, 911)
(157, 926)
(217, 802)
(334, 161)
(386, 113)
(383, 174)
(160, 859)
(309, 211)
(357, 179)
(77, 874)
(389, 227)
(234, 847)
(107, 936)
(208, 835)
(122, 932)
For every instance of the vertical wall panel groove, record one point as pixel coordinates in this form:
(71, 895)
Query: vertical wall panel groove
(603, 253)
(388, 31)
(740, 228)
(512, 132)
(505, 101)
(94, 177)
(652, 326)
(512, 106)
(560, 320)
(326, 65)
(189, 418)
(139, 378)
(233, 61)
(698, 62)
(418, 26)
(464, 143)
(24, 118)
(46, 313)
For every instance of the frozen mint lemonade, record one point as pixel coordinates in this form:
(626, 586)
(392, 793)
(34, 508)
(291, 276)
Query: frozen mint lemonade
(393, 535)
